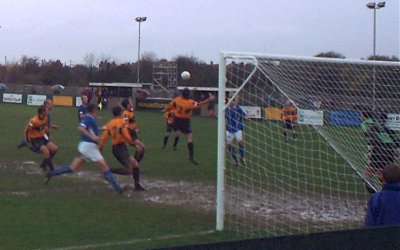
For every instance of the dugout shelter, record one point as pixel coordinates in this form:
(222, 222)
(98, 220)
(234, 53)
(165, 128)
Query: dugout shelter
(118, 90)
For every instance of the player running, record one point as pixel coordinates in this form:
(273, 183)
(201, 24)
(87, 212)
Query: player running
(118, 130)
(130, 118)
(289, 119)
(170, 121)
(37, 139)
(48, 104)
(88, 149)
(182, 106)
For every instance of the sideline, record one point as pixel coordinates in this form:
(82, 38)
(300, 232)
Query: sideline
(167, 237)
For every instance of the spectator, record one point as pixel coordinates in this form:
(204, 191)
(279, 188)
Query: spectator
(384, 206)
(87, 92)
(98, 95)
(210, 108)
(104, 98)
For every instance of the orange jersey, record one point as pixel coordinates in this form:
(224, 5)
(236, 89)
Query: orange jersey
(130, 118)
(36, 127)
(289, 114)
(118, 129)
(182, 107)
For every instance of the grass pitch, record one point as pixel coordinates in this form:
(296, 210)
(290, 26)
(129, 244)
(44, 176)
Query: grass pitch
(84, 213)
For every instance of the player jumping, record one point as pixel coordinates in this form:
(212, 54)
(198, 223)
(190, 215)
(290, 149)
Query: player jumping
(182, 107)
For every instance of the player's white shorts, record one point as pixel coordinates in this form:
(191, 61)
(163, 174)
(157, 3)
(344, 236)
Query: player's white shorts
(90, 151)
(238, 135)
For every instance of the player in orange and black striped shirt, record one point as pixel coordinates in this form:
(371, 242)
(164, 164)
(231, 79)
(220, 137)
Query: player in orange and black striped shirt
(117, 128)
(38, 141)
(130, 118)
(182, 107)
(289, 119)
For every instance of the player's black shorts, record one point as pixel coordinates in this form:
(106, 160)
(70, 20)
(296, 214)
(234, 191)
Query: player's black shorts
(288, 125)
(36, 143)
(170, 127)
(120, 152)
(183, 125)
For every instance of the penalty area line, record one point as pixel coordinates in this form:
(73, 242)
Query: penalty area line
(167, 237)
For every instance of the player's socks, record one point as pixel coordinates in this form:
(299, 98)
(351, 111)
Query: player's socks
(232, 150)
(43, 165)
(136, 175)
(165, 141)
(191, 153)
(110, 178)
(60, 171)
(191, 149)
(241, 151)
(176, 141)
(49, 163)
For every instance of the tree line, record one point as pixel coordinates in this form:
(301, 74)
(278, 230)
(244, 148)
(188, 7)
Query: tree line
(33, 70)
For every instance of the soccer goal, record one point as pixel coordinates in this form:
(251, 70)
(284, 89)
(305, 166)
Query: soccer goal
(310, 174)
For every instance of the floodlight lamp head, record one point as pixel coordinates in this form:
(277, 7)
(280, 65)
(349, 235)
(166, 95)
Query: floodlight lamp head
(371, 5)
(140, 19)
(381, 4)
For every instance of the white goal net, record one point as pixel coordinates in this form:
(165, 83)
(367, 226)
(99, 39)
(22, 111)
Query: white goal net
(310, 172)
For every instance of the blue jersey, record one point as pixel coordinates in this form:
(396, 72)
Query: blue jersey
(90, 124)
(82, 110)
(384, 207)
(234, 117)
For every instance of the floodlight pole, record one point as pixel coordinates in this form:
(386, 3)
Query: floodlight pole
(139, 20)
(374, 6)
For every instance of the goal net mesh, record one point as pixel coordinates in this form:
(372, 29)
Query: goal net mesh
(314, 178)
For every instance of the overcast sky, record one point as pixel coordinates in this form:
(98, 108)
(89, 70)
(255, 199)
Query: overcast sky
(69, 30)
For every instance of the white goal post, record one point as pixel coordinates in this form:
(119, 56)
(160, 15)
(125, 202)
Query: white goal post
(311, 174)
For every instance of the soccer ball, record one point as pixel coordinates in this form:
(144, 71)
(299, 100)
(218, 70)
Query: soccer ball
(185, 75)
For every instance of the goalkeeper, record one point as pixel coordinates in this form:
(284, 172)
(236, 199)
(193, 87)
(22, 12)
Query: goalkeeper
(382, 144)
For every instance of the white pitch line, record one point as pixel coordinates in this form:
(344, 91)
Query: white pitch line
(167, 237)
